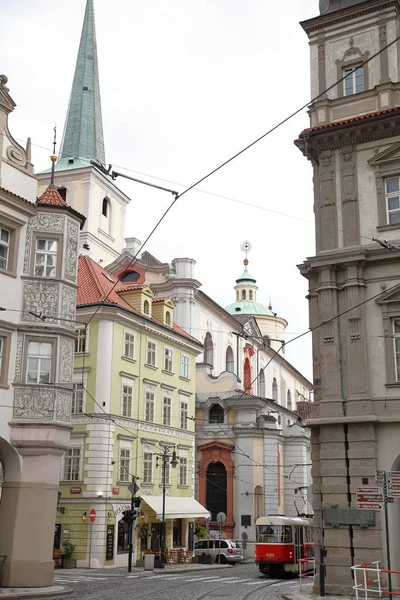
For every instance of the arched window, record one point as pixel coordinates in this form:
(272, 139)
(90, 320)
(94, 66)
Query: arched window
(274, 390)
(146, 307)
(258, 502)
(230, 362)
(247, 376)
(216, 414)
(237, 295)
(216, 489)
(250, 294)
(168, 317)
(261, 383)
(243, 294)
(208, 349)
(63, 192)
(130, 277)
(105, 207)
(289, 400)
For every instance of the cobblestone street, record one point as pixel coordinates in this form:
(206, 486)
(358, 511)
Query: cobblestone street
(242, 582)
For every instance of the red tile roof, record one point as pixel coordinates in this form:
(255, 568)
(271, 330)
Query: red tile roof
(96, 285)
(52, 197)
(160, 299)
(355, 118)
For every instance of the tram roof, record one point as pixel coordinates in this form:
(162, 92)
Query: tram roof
(281, 520)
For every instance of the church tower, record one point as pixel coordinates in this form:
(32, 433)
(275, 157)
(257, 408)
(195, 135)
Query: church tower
(353, 143)
(80, 183)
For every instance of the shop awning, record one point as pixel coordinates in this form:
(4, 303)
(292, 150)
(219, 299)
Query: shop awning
(176, 508)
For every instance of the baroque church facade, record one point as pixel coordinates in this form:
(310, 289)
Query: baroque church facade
(353, 144)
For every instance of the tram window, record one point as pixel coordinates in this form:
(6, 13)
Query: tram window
(307, 535)
(274, 534)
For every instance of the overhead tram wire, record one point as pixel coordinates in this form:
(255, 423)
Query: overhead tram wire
(233, 157)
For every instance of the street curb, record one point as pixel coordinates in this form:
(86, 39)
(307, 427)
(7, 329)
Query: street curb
(33, 594)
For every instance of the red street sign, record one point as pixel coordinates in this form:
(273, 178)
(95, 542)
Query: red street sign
(75, 490)
(368, 506)
(115, 491)
(92, 515)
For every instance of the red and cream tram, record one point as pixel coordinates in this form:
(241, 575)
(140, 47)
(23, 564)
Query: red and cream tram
(281, 542)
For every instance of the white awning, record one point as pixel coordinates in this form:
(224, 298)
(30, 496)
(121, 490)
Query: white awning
(176, 508)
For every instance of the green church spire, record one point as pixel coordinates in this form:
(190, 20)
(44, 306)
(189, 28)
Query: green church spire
(83, 133)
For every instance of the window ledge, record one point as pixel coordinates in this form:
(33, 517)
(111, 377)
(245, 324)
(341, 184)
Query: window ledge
(184, 378)
(72, 483)
(132, 360)
(167, 485)
(396, 384)
(148, 485)
(388, 227)
(151, 366)
(8, 273)
(182, 486)
(124, 482)
(168, 372)
(81, 354)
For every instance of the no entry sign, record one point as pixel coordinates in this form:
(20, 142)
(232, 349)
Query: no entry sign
(92, 515)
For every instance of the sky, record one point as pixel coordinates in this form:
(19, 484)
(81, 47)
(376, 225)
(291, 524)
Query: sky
(184, 86)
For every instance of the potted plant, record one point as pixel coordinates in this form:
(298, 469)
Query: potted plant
(200, 532)
(142, 530)
(68, 550)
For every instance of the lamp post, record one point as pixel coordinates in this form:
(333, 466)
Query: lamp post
(173, 462)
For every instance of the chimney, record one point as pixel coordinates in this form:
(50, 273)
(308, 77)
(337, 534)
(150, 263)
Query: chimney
(132, 245)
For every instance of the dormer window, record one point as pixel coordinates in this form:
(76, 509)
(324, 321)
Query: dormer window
(105, 208)
(146, 307)
(168, 318)
(130, 277)
(354, 80)
(216, 414)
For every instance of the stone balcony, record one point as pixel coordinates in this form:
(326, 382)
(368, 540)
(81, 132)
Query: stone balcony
(39, 404)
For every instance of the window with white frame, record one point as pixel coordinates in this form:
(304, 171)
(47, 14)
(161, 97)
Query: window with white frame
(168, 357)
(151, 353)
(396, 346)
(184, 366)
(183, 470)
(129, 345)
(46, 257)
(1, 354)
(5, 238)
(354, 80)
(124, 460)
(147, 467)
(81, 341)
(72, 464)
(167, 473)
(167, 403)
(392, 196)
(77, 398)
(38, 365)
(127, 399)
(184, 414)
(149, 405)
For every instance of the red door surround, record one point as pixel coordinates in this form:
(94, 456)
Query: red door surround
(217, 452)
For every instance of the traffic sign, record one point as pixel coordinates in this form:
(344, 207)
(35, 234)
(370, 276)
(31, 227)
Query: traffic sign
(369, 498)
(221, 517)
(133, 488)
(92, 515)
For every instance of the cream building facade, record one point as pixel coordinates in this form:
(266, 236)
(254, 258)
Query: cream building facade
(353, 143)
(38, 271)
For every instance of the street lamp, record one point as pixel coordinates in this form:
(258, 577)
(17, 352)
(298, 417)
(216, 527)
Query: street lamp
(173, 462)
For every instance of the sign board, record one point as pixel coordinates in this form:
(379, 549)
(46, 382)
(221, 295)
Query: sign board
(133, 488)
(110, 542)
(369, 498)
(92, 515)
(115, 491)
(75, 490)
(380, 477)
(119, 509)
(393, 484)
(221, 517)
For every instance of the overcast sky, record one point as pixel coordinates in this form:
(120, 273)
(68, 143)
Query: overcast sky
(185, 85)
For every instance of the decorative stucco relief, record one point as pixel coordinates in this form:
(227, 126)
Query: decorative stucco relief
(40, 297)
(41, 222)
(68, 305)
(136, 425)
(63, 406)
(18, 358)
(34, 403)
(66, 360)
(72, 251)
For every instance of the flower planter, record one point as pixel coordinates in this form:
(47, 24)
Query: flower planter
(206, 559)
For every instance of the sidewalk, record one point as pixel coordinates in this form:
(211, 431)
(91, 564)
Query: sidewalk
(60, 590)
(306, 593)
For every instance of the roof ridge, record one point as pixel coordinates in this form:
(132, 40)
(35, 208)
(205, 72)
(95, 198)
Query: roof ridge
(90, 262)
